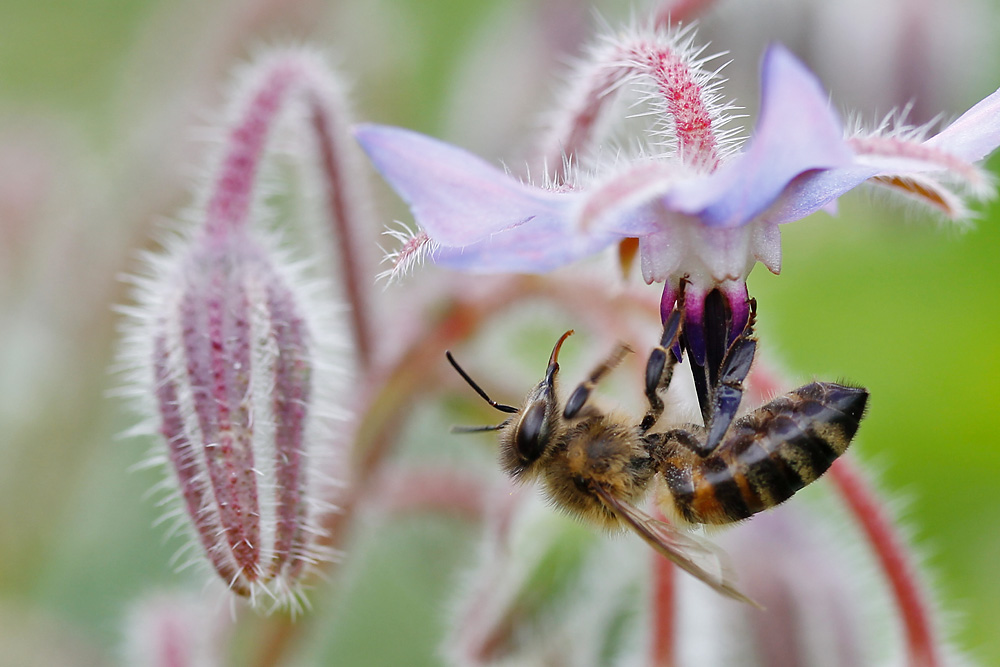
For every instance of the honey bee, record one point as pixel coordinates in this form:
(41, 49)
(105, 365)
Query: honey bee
(601, 466)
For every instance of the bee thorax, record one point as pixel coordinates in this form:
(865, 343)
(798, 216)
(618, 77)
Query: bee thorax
(597, 451)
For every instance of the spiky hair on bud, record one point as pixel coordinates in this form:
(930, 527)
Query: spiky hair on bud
(236, 353)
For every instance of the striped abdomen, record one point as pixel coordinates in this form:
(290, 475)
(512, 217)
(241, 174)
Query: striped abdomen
(765, 457)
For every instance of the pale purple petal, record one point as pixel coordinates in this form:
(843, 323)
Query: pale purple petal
(970, 138)
(628, 203)
(547, 243)
(456, 197)
(815, 190)
(797, 132)
(660, 256)
(975, 134)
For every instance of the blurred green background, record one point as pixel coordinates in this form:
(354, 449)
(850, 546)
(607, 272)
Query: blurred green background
(100, 103)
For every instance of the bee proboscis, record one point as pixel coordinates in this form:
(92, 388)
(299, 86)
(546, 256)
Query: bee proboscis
(600, 466)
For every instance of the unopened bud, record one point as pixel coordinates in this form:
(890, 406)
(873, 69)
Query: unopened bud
(238, 356)
(233, 364)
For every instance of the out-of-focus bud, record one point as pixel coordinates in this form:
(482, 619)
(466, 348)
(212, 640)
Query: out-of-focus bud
(519, 600)
(236, 352)
(821, 596)
(233, 361)
(174, 630)
(547, 590)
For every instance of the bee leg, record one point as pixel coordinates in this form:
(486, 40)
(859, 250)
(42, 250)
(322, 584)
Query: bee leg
(727, 394)
(582, 392)
(660, 368)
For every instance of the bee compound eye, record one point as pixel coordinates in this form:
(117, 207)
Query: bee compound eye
(529, 439)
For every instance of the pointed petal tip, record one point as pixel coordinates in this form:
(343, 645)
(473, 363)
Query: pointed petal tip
(779, 61)
(366, 133)
(477, 217)
(457, 197)
(787, 78)
(975, 134)
(776, 51)
(375, 135)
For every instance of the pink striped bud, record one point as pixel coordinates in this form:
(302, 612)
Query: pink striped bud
(236, 354)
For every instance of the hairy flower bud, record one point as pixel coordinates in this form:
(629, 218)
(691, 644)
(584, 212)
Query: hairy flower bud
(236, 353)
(233, 365)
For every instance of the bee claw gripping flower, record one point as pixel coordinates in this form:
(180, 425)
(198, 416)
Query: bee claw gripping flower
(233, 350)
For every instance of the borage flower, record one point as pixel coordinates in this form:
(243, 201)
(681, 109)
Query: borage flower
(704, 211)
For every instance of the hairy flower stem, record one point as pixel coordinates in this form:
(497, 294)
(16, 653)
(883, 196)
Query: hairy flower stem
(233, 193)
(893, 556)
(347, 217)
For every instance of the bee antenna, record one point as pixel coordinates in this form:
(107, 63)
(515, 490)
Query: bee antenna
(479, 429)
(510, 409)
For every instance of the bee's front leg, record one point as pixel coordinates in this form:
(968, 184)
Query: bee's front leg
(581, 394)
(660, 367)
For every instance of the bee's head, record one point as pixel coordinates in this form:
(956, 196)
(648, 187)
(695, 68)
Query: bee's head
(525, 437)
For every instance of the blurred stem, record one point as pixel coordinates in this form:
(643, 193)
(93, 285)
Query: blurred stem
(445, 490)
(279, 634)
(347, 218)
(664, 606)
(893, 556)
(676, 12)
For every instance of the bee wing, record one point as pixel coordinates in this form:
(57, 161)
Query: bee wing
(696, 557)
